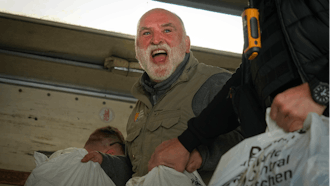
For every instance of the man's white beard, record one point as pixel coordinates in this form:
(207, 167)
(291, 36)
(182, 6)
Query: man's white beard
(160, 72)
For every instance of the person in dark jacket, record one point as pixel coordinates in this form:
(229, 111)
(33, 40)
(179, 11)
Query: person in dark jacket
(290, 75)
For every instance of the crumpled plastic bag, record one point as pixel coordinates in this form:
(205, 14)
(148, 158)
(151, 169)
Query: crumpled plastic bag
(279, 158)
(165, 176)
(66, 169)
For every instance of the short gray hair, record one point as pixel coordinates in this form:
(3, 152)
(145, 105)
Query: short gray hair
(183, 27)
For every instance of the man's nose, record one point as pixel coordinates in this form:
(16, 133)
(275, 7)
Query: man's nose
(157, 39)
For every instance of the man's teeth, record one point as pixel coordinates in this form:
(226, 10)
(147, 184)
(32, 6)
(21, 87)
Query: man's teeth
(158, 52)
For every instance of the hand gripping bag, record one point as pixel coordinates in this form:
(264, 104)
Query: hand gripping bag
(279, 158)
(65, 169)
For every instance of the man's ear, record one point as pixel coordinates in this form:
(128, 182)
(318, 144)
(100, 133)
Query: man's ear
(187, 44)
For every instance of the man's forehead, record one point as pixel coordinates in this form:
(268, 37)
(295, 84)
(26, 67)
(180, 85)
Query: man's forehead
(161, 17)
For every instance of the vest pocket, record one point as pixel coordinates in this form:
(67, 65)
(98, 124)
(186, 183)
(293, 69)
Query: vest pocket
(164, 126)
(167, 119)
(133, 148)
(154, 125)
(170, 122)
(131, 136)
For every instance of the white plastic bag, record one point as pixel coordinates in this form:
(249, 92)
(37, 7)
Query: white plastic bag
(66, 169)
(279, 158)
(165, 176)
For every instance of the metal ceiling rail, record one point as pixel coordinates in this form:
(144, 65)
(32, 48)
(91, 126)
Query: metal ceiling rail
(63, 88)
(52, 59)
(65, 61)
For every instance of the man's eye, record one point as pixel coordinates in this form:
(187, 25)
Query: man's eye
(146, 33)
(167, 30)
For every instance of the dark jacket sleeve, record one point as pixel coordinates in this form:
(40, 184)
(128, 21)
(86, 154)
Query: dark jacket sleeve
(216, 119)
(212, 153)
(118, 168)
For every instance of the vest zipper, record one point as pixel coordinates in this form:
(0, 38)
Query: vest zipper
(154, 99)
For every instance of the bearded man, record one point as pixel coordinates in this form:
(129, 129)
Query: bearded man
(174, 88)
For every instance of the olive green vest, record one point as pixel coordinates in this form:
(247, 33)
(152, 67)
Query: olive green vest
(148, 126)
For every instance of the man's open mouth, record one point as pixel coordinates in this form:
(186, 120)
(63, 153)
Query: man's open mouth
(159, 55)
(158, 52)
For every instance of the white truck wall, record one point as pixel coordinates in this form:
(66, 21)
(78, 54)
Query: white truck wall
(34, 119)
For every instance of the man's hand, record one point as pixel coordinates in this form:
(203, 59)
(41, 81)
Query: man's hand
(195, 161)
(93, 156)
(170, 153)
(291, 107)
